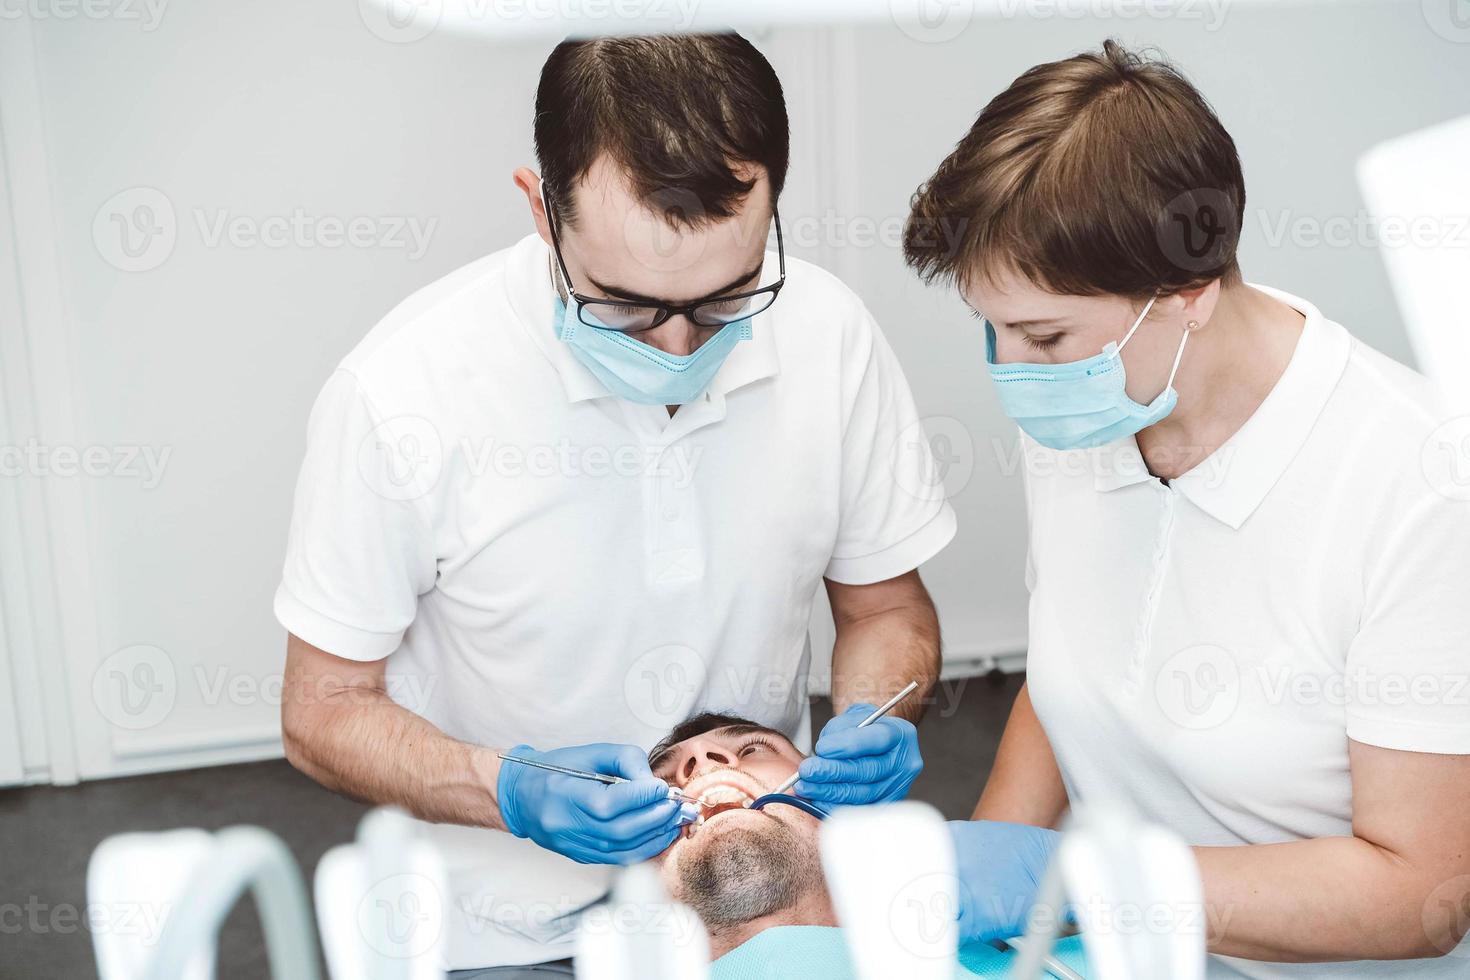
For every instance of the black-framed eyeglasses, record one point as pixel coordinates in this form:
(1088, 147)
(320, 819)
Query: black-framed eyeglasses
(628, 316)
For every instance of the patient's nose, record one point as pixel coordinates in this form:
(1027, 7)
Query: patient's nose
(706, 755)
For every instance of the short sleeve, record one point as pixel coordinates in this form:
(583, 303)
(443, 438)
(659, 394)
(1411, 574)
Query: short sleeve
(893, 512)
(1408, 668)
(360, 550)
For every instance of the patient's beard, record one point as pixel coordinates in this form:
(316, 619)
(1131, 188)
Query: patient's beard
(748, 875)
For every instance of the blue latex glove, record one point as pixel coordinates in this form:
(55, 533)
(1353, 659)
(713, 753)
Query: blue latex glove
(588, 821)
(855, 765)
(1000, 868)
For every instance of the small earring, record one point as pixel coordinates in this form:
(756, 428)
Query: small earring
(1191, 325)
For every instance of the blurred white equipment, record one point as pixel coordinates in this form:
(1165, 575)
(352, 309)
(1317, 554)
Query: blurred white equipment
(381, 902)
(1416, 189)
(166, 895)
(891, 872)
(640, 933)
(1138, 898)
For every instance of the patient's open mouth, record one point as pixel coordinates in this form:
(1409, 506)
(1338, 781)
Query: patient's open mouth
(721, 795)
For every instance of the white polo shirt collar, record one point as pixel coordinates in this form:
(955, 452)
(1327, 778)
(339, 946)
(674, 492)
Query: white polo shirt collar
(529, 285)
(1253, 459)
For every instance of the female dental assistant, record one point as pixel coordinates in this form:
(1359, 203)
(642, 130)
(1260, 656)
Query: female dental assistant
(1248, 576)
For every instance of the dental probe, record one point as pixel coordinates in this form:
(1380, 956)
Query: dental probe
(877, 713)
(600, 777)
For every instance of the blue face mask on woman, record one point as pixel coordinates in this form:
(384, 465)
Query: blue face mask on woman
(1079, 404)
(640, 372)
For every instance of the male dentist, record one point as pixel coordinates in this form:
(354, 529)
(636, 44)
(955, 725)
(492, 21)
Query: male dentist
(584, 487)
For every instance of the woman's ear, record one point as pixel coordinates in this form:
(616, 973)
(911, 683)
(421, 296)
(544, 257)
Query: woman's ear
(530, 184)
(1194, 307)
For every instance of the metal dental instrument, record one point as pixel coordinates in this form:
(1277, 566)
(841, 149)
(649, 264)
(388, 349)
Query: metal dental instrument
(877, 713)
(600, 777)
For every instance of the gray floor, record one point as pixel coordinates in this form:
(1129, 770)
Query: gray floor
(47, 834)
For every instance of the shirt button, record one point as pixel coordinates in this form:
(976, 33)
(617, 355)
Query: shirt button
(671, 513)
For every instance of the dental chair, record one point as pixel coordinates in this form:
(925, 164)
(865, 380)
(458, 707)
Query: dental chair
(898, 906)
(179, 886)
(640, 933)
(381, 901)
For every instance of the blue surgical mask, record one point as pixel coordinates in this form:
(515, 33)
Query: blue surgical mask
(642, 373)
(1080, 404)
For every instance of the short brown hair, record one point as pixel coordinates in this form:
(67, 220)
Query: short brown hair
(1106, 173)
(679, 114)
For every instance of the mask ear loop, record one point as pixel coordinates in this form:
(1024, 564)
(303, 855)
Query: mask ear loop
(1134, 329)
(1189, 328)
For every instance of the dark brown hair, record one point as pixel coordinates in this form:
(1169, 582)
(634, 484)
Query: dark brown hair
(1106, 173)
(679, 115)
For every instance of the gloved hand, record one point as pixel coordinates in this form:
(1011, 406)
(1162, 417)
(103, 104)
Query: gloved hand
(868, 765)
(1000, 866)
(588, 821)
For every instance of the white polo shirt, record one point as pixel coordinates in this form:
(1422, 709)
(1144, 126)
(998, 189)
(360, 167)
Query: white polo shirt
(1206, 648)
(541, 562)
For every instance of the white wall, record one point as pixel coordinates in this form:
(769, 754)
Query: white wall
(213, 352)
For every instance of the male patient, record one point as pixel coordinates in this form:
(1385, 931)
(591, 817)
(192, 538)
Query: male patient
(754, 877)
